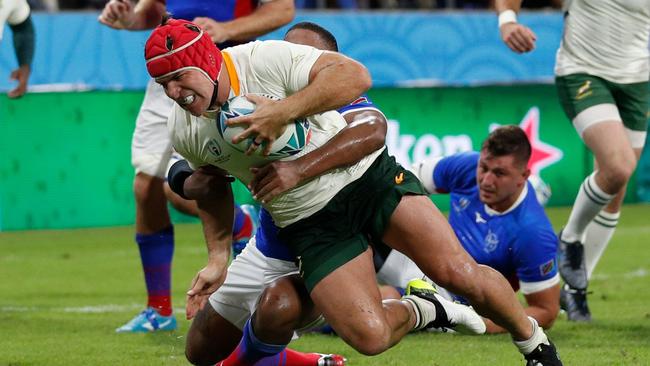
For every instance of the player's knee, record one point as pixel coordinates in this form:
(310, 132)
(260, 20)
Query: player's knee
(147, 188)
(618, 171)
(279, 308)
(373, 342)
(370, 337)
(196, 350)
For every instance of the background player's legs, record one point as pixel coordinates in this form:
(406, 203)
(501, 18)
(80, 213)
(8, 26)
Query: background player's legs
(597, 203)
(616, 162)
(419, 230)
(150, 153)
(601, 229)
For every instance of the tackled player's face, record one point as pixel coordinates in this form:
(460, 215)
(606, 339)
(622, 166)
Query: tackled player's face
(191, 89)
(500, 180)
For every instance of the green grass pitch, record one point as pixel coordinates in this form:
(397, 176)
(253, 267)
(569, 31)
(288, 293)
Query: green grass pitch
(62, 294)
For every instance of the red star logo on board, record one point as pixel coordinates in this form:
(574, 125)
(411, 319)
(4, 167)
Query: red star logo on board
(542, 154)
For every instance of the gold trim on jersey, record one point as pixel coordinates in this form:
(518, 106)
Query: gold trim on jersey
(232, 72)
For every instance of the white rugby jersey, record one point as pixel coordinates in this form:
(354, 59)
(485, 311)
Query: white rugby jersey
(280, 69)
(12, 12)
(606, 38)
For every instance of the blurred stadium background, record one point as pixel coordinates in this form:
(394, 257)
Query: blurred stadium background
(442, 77)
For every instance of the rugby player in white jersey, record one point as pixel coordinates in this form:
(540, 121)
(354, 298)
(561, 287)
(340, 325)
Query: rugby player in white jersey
(326, 221)
(601, 74)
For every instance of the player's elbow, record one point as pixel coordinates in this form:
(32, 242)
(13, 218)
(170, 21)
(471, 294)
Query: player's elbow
(365, 80)
(379, 130)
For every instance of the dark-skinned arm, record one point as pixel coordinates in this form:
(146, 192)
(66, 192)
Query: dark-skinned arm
(213, 194)
(364, 134)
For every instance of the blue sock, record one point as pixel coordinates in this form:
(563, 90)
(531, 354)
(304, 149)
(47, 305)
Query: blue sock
(251, 351)
(156, 253)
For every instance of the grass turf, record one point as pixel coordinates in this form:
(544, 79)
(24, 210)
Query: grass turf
(62, 294)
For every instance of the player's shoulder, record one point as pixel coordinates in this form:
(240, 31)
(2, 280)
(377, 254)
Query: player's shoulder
(466, 160)
(530, 219)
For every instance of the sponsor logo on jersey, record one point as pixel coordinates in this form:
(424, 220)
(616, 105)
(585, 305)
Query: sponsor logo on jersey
(491, 241)
(399, 178)
(584, 91)
(547, 267)
(214, 148)
(479, 219)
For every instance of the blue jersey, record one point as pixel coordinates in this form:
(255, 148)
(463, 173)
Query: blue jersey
(267, 234)
(519, 243)
(220, 10)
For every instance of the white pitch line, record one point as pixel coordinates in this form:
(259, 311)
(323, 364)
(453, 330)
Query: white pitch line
(100, 309)
(638, 273)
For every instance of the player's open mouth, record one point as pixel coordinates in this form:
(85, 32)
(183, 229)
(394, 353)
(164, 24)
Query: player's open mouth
(187, 100)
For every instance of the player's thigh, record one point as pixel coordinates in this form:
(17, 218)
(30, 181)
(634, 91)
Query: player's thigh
(418, 229)
(151, 143)
(350, 301)
(594, 106)
(633, 104)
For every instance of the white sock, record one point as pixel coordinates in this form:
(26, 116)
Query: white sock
(529, 345)
(418, 317)
(599, 233)
(589, 201)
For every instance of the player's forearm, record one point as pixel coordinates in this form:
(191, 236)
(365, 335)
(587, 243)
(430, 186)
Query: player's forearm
(147, 14)
(545, 318)
(358, 139)
(24, 39)
(216, 214)
(337, 81)
(266, 18)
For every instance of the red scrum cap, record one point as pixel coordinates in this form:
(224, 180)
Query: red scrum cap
(177, 45)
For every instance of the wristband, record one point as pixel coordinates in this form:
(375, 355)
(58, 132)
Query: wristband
(507, 16)
(177, 175)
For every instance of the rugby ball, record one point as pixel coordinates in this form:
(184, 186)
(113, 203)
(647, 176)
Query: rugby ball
(542, 190)
(294, 138)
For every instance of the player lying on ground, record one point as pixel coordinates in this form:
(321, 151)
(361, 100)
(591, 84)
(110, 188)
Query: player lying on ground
(497, 218)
